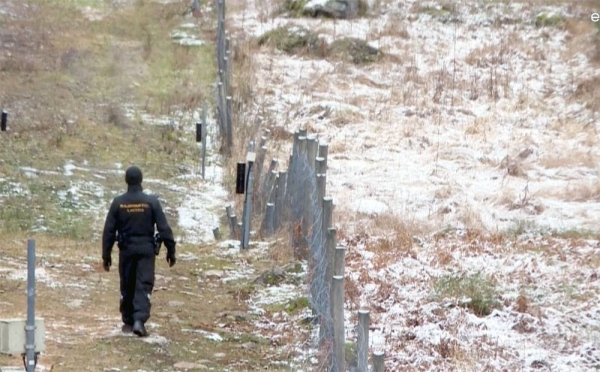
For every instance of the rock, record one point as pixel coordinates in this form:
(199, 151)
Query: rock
(271, 277)
(175, 303)
(75, 304)
(214, 274)
(220, 355)
(187, 365)
(292, 39)
(540, 364)
(236, 316)
(354, 50)
(249, 346)
(341, 9)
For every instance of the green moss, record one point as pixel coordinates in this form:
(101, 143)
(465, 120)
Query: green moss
(549, 19)
(354, 50)
(294, 8)
(292, 40)
(351, 356)
(295, 268)
(296, 304)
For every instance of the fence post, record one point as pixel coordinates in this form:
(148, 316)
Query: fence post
(272, 187)
(321, 189)
(330, 244)
(233, 224)
(260, 160)
(229, 125)
(247, 214)
(312, 146)
(267, 227)
(30, 323)
(323, 153)
(339, 337)
(280, 199)
(378, 361)
(362, 345)
(339, 261)
(327, 214)
(217, 233)
(205, 127)
(320, 165)
(303, 196)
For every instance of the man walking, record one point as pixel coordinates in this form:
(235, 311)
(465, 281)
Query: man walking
(131, 222)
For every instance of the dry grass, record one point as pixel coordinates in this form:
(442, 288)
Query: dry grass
(581, 191)
(86, 334)
(570, 159)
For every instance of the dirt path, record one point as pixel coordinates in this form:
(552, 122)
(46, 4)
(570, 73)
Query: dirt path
(84, 89)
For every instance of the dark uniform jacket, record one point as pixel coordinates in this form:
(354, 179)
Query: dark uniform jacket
(132, 216)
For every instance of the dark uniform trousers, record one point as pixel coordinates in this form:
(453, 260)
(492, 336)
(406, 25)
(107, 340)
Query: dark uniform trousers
(131, 222)
(136, 270)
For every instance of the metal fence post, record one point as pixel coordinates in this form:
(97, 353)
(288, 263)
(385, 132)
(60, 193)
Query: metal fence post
(247, 214)
(30, 323)
(205, 127)
(363, 340)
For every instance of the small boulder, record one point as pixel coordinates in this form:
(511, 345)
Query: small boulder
(214, 274)
(339, 9)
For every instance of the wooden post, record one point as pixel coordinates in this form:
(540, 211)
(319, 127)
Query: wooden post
(233, 232)
(217, 233)
(312, 147)
(362, 345)
(323, 153)
(339, 261)
(280, 199)
(330, 243)
(303, 196)
(262, 154)
(378, 361)
(327, 214)
(321, 189)
(228, 213)
(268, 221)
(339, 337)
(272, 187)
(320, 165)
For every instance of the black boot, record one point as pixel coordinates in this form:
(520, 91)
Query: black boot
(127, 328)
(139, 329)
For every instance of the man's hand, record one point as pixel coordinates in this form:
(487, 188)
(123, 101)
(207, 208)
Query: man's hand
(171, 258)
(106, 263)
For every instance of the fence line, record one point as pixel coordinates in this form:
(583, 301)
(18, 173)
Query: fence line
(223, 85)
(293, 200)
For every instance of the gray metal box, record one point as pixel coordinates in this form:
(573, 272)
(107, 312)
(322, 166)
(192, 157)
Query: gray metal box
(12, 336)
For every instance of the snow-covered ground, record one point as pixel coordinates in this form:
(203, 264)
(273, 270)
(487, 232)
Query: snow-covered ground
(482, 124)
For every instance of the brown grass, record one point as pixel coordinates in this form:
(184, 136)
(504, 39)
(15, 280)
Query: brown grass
(570, 159)
(580, 191)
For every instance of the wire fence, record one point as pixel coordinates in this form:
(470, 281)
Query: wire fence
(223, 86)
(292, 200)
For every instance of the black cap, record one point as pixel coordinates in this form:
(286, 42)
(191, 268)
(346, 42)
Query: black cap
(133, 176)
